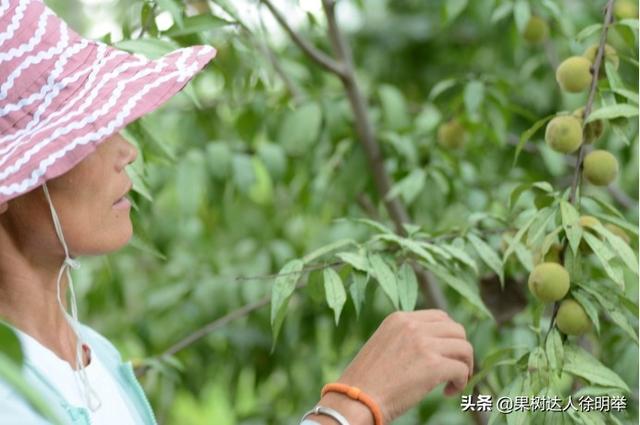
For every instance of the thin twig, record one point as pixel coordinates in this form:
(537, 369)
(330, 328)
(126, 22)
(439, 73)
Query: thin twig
(318, 56)
(147, 22)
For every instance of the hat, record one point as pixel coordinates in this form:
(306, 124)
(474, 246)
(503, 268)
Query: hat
(61, 94)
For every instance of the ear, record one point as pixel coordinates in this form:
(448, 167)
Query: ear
(3, 207)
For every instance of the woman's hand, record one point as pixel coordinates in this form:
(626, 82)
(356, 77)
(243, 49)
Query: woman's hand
(408, 356)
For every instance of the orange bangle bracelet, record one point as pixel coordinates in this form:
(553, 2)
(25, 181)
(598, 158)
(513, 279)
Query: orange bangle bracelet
(355, 393)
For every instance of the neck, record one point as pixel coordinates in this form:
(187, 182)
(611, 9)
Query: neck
(28, 296)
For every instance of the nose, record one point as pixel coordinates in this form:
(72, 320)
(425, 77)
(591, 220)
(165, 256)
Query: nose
(127, 153)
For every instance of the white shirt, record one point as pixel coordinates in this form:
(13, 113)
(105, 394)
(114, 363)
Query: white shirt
(113, 408)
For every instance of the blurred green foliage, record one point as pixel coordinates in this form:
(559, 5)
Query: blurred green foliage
(257, 161)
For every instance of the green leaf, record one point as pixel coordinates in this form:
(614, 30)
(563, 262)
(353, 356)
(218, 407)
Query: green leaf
(618, 222)
(613, 111)
(243, 172)
(357, 261)
(219, 158)
(10, 344)
(153, 48)
(300, 129)
(261, 192)
(385, 277)
(587, 31)
(604, 254)
(630, 95)
(324, 250)
(441, 86)
(620, 319)
(283, 287)
(554, 350)
(409, 187)
(357, 289)
(453, 8)
(488, 255)
(461, 255)
(580, 363)
(407, 288)
(196, 24)
(538, 228)
(394, 108)
(521, 14)
(517, 238)
(588, 306)
(523, 187)
(334, 291)
(572, 229)
(527, 134)
(466, 290)
(620, 247)
(473, 97)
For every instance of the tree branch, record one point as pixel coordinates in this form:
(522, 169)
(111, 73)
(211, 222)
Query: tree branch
(595, 71)
(316, 55)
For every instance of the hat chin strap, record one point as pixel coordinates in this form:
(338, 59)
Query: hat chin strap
(91, 397)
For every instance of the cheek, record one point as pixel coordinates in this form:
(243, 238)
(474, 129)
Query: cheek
(92, 227)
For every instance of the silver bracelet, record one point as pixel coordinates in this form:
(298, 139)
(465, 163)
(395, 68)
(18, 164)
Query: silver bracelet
(327, 411)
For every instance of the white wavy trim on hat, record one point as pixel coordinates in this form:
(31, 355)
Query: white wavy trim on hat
(32, 129)
(93, 136)
(4, 6)
(107, 106)
(69, 103)
(15, 21)
(52, 85)
(34, 59)
(16, 52)
(83, 110)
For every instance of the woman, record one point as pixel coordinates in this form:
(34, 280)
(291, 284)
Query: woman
(63, 186)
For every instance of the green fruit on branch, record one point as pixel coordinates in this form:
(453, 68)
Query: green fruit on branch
(626, 9)
(572, 319)
(592, 130)
(451, 134)
(574, 74)
(610, 55)
(618, 231)
(549, 282)
(536, 31)
(564, 134)
(600, 167)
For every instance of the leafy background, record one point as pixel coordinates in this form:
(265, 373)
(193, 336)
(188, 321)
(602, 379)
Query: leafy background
(258, 164)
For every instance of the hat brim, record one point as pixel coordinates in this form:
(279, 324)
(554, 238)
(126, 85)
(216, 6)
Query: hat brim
(102, 92)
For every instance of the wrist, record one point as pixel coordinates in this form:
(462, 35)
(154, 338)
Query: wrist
(354, 411)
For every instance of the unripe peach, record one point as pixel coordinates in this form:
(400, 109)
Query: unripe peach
(574, 74)
(600, 167)
(536, 30)
(451, 134)
(564, 134)
(572, 319)
(549, 282)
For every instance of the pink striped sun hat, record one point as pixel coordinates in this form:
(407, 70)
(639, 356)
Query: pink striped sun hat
(62, 94)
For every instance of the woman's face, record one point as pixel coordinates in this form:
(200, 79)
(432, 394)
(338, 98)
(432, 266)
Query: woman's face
(89, 200)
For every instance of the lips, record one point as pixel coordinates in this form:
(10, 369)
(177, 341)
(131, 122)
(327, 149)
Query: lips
(123, 198)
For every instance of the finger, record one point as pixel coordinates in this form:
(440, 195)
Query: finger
(454, 373)
(456, 349)
(448, 329)
(429, 315)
